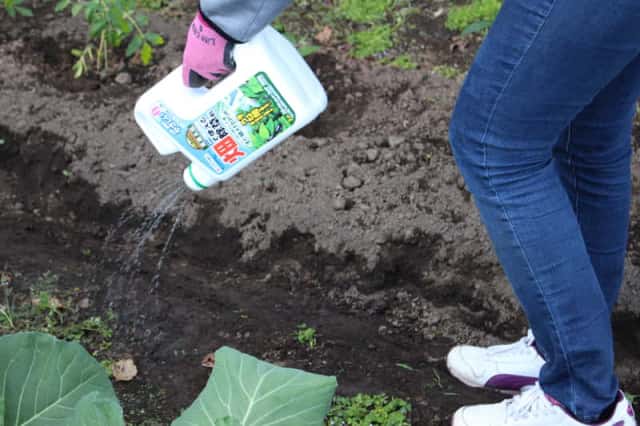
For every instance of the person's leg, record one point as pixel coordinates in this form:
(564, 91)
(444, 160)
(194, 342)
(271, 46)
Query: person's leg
(541, 64)
(593, 159)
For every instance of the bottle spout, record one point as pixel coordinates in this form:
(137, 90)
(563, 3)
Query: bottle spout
(197, 179)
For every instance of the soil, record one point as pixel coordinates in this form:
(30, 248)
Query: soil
(392, 272)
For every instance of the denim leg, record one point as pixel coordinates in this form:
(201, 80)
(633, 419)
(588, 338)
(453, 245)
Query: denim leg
(593, 159)
(542, 63)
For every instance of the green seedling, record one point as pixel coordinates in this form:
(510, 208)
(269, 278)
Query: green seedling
(369, 410)
(371, 42)
(369, 26)
(447, 71)
(365, 11)
(108, 366)
(404, 62)
(6, 311)
(436, 381)
(15, 7)
(304, 46)
(306, 335)
(474, 17)
(405, 366)
(112, 23)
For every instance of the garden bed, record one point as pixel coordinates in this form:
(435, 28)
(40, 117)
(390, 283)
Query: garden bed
(390, 271)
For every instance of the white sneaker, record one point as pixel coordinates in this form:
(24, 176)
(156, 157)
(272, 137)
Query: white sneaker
(534, 408)
(507, 368)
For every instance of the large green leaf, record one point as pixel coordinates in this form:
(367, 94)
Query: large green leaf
(244, 391)
(96, 409)
(48, 382)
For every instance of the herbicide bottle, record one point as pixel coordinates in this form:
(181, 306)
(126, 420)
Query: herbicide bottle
(271, 94)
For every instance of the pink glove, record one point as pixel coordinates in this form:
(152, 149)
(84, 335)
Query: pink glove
(207, 56)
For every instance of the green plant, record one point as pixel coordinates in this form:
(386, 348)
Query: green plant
(364, 11)
(154, 4)
(14, 7)
(371, 42)
(404, 62)
(246, 391)
(370, 26)
(44, 378)
(304, 46)
(405, 366)
(447, 71)
(474, 17)
(50, 308)
(306, 335)
(369, 410)
(6, 309)
(112, 23)
(94, 328)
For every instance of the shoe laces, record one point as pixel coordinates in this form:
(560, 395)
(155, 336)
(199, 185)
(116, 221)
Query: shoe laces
(531, 403)
(522, 346)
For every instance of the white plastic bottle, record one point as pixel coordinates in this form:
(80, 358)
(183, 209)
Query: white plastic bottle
(271, 94)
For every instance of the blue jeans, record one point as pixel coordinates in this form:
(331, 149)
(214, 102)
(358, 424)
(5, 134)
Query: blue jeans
(541, 133)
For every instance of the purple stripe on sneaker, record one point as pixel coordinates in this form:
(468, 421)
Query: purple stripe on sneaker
(510, 382)
(619, 399)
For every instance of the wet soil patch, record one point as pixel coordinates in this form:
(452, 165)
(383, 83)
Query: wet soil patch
(206, 297)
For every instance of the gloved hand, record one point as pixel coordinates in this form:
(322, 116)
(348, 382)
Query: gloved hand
(207, 56)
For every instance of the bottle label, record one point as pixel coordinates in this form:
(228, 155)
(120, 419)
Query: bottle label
(240, 124)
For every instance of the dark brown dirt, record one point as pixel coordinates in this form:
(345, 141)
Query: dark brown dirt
(399, 275)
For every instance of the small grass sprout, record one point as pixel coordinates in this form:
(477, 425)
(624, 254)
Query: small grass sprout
(306, 336)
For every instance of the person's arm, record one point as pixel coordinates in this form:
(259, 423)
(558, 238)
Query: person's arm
(218, 26)
(239, 20)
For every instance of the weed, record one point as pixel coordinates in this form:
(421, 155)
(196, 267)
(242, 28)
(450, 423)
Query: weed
(153, 4)
(371, 42)
(404, 62)
(304, 46)
(108, 366)
(369, 26)
(94, 329)
(306, 335)
(364, 11)
(15, 7)
(111, 24)
(405, 366)
(47, 309)
(436, 381)
(50, 309)
(6, 310)
(631, 397)
(447, 71)
(369, 410)
(474, 17)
